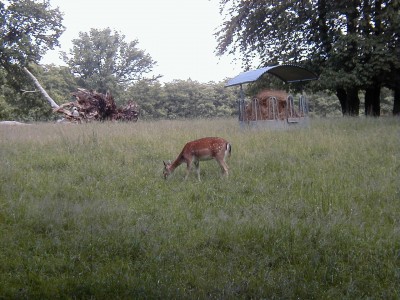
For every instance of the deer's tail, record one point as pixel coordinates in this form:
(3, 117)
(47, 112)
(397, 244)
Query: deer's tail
(228, 149)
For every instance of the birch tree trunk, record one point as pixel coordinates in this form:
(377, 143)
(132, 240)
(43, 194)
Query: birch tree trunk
(41, 89)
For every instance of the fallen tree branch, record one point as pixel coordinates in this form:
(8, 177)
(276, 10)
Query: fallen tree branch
(24, 92)
(89, 105)
(53, 104)
(13, 123)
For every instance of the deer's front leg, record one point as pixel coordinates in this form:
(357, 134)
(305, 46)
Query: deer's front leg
(197, 165)
(188, 168)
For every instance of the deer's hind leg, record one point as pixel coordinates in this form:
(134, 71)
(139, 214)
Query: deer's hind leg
(224, 167)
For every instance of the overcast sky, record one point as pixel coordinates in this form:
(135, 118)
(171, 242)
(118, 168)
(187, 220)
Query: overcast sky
(178, 34)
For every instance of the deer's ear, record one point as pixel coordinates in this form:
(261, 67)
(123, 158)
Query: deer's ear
(165, 163)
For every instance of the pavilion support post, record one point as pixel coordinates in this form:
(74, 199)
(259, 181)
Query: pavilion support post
(241, 104)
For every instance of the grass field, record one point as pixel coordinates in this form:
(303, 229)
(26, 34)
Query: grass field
(311, 213)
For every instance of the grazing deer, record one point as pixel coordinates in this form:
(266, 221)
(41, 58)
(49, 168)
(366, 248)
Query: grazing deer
(203, 149)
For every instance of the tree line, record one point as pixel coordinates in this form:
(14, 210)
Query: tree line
(343, 42)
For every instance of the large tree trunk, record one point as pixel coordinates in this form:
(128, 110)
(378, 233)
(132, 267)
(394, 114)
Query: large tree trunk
(342, 96)
(396, 104)
(41, 89)
(349, 101)
(354, 102)
(348, 97)
(395, 86)
(372, 101)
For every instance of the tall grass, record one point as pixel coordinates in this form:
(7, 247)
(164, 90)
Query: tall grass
(305, 213)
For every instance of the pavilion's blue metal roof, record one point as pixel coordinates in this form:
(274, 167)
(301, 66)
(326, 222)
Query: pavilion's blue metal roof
(287, 73)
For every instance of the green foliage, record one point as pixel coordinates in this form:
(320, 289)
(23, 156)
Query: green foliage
(25, 104)
(27, 30)
(178, 99)
(103, 61)
(352, 45)
(386, 101)
(150, 96)
(324, 105)
(184, 99)
(58, 81)
(85, 212)
(5, 109)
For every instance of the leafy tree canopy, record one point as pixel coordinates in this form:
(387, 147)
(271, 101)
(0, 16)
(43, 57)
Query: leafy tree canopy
(104, 61)
(352, 44)
(28, 29)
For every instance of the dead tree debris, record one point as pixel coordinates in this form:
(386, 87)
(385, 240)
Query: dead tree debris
(94, 106)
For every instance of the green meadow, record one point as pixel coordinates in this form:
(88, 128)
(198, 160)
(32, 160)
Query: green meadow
(310, 213)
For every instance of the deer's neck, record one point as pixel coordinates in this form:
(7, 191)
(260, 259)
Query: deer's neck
(176, 163)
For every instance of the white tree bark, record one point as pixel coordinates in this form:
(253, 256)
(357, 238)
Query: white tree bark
(41, 89)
